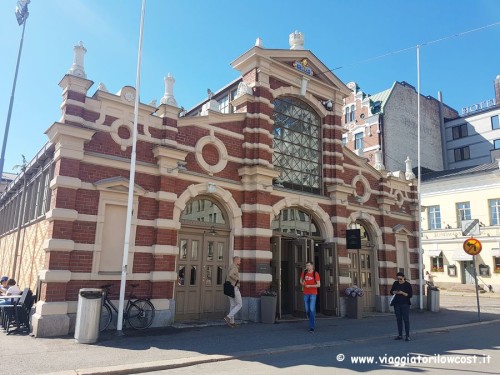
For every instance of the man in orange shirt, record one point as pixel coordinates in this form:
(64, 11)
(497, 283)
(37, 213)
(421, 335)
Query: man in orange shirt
(310, 282)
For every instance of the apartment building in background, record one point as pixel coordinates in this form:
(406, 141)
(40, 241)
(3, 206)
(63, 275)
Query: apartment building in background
(474, 138)
(385, 123)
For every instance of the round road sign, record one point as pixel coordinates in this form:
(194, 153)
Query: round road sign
(472, 246)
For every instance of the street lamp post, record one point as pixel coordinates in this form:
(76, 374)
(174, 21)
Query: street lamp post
(419, 189)
(21, 15)
(130, 200)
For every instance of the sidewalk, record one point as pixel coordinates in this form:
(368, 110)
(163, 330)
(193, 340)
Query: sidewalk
(172, 347)
(481, 295)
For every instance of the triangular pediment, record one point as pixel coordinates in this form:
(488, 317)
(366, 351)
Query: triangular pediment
(305, 62)
(288, 58)
(351, 157)
(401, 229)
(118, 184)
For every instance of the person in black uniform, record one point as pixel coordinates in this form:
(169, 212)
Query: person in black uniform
(402, 292)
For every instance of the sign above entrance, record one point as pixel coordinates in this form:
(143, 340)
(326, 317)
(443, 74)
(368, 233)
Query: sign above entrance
(353, 238)
(302, 66)
(472, 246)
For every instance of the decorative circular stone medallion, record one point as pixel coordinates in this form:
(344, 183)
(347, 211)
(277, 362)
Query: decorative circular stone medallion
(211, 154)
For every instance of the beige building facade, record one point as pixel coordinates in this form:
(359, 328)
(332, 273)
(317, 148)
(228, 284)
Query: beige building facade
(452, 201)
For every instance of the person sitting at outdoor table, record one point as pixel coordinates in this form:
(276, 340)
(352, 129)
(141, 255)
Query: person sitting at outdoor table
(3, 285)
(13, 290)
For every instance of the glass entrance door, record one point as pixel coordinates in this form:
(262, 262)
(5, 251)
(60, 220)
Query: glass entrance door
(302, 252)
(329, 279)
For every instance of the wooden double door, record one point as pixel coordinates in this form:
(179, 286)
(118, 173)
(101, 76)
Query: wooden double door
(361, 273)
(201, 272)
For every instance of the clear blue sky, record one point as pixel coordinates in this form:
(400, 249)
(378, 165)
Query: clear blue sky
(197, 40)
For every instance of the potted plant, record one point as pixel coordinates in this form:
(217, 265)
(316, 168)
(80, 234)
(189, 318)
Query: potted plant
(268, 301)
(354, 303)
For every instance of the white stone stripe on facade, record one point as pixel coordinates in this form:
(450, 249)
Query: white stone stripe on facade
(253, 254)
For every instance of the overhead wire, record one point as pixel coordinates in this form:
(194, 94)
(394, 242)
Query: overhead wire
(456, 35)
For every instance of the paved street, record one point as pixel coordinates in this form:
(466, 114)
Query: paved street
(471, 349)
(260, 348)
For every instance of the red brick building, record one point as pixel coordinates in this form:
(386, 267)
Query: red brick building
(258, 170)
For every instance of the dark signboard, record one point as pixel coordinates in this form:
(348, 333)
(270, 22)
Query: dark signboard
(263, 268)
(353, 238)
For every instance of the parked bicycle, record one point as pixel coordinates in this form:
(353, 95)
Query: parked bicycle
(138, 313)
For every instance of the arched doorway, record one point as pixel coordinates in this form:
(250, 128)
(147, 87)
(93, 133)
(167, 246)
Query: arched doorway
(297, 239)
(361, 269)
(202, 261)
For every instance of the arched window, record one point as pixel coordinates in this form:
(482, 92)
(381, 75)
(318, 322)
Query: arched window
(365, 235)
(296, 222)
(297, 144)
(347, 117)
(203, 210)
(353, 113)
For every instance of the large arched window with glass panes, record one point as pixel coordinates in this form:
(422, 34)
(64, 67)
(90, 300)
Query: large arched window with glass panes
(297, 144)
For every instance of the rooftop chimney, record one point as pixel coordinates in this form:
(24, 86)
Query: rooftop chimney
(497, 90)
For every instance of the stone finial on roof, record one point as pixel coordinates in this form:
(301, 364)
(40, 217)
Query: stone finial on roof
(77, 69)
(353, 86)
(168, 98)
(259, 43)
(211, 105)
(296, 40)
(102, 87)
(409, 172)
(243, 88)
(379, 166)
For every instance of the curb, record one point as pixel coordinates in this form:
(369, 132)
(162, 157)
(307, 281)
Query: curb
(197, 360)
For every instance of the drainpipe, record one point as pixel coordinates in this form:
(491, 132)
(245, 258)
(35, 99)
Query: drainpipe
(337, 286)
(443, 131)
(20, 220)
(381, 137)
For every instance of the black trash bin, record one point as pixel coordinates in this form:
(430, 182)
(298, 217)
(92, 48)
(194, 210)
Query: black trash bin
(88, 315)
(354, 308)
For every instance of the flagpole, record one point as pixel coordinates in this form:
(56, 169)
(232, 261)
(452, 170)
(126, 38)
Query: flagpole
(420, 268)
(25, 14)
(130, 201)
